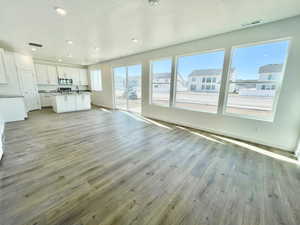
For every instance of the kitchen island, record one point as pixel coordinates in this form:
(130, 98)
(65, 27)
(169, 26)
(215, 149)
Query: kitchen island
(12, 108)
(1, 136)
(70, 102)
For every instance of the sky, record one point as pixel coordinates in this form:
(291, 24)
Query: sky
(245, 60)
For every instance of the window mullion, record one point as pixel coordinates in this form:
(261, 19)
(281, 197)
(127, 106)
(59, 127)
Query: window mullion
(172, 82)
(224, 81)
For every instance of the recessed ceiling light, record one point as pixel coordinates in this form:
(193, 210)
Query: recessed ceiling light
(153, 2)
(60, 11)
(33, 49)
(59, 60)
(70, 55)
(70, 42)
(134, 40)
(97, 49)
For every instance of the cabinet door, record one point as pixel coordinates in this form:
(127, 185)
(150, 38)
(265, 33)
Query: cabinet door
(83, 77)
(3, 79)
(62, 73)
(52, 75)
(75, 74)
(41, 74)
(46, 100)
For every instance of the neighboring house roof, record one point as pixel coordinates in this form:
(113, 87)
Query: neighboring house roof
(166, 76)
(206, 72)
(245, 81)
(271, 68)
(162, 75)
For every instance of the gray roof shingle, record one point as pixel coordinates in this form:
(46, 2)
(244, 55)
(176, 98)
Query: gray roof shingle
(271, 68)
(206, 72)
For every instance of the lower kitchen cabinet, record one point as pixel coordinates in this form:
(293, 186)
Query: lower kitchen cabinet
(71, 102)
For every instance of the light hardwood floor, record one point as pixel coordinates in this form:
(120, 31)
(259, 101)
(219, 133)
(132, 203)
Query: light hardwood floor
(109, 167)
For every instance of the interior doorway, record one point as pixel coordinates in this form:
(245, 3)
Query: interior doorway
(128, 88)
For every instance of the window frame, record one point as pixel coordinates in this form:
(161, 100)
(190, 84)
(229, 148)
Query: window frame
(151, 81)
(202, 83)
(279, 83)
(112, 67)
(99, 79)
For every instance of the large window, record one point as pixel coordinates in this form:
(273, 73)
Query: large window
(161, 82)
(255, 78)
(202, 95)
(96, 80)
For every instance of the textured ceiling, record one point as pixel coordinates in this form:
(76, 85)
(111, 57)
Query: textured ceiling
(110, 25)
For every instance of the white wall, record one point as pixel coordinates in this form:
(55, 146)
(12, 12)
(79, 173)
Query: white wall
(104, 97)
(282, 133)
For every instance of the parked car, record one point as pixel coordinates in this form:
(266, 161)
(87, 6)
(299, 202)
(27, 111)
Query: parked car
(132, 95)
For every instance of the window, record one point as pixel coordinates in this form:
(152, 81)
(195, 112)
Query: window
(203, 97)
(96, 80)
(256, 72)
(161, 82)
(270, 77)
(214, 80)
(194, 79)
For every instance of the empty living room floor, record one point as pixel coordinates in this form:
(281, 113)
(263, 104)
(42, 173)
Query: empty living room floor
(104, 167)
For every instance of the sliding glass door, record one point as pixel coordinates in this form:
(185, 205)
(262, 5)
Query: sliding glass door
(127, 85)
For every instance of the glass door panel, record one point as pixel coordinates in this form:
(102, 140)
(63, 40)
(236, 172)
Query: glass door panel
(120, 83)
(134, 88)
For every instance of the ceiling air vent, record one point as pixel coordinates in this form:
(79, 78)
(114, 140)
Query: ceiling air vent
(35, 45)
(253, 23)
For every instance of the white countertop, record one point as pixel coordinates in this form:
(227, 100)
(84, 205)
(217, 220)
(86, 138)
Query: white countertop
(66, 93)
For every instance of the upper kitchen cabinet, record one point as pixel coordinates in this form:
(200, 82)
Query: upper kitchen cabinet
(52, 75)
(41, 74)
(3, 79)
(61, 72)
(83, 77)
(46, 74)
(74, 75)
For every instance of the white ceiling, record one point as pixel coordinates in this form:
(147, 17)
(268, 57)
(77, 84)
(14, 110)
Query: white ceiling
(111, 24)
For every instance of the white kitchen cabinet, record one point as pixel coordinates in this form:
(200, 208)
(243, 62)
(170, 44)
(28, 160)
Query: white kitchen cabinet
(71, 102)
(83, 77)
(52, 75)
(12, 108)
(2, 124)
(46, 99)
(3, 79)
(83, 102)
(74, 74)
(41, 74)
(46, 74)
(61, 72)
(78, 77)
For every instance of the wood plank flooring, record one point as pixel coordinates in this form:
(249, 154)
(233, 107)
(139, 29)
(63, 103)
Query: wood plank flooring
(104, 167)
